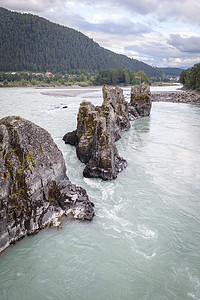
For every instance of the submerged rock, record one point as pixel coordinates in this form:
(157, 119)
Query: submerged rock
(140, 104)
(34, 189)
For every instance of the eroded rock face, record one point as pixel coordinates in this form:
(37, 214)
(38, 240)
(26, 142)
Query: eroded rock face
(98, 128)
(140, 104)
(34, 189)
(114, 97)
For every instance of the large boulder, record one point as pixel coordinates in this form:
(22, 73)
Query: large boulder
(34, 189)
(140, 103)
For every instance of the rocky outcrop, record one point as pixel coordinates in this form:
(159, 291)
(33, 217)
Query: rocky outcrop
(190, 97)
(140, 104)
(114, 98)
(98, 127)
(34, 189)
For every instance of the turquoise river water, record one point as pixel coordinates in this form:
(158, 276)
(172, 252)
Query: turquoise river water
(144, 241)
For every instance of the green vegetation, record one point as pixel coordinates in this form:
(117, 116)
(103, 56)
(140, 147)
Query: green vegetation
(5, 82)
(17, 177)
(83, 79)
(12, 79)
(120, 76)
(190, 78)
(35, 44)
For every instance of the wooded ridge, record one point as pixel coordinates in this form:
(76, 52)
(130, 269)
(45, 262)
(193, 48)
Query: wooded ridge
(35, 44)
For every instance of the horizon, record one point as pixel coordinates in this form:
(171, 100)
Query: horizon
(163, 38)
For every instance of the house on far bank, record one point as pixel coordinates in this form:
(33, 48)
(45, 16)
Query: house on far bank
(38, 74)
(49, 74)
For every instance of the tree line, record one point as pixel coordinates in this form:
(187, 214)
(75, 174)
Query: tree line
(190, 78)
(108, 76)
(29, 79)
(80, 77)
(120, 76)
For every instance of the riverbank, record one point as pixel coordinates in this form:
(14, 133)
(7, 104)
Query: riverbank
(40, 84)
(179, 96)
(67, 84)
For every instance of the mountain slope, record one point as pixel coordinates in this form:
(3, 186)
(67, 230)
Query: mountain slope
(33, 43)
(171, 71)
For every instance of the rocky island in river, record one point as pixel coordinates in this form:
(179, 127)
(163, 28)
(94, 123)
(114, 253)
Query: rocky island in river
(98, 127)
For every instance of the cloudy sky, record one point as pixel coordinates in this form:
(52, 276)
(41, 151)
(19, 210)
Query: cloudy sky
(158, 32)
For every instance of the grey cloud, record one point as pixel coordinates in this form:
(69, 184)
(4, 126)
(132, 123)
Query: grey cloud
(186, 11)
(190, 45)
(155, 49)
(141, 7)
(30, 5)
(111, 27)
(120, 27)
(162, 54)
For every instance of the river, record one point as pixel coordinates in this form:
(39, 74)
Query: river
(144, 241)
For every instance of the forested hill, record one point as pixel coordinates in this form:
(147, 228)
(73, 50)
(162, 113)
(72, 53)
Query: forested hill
(33, 43)
(171, 71)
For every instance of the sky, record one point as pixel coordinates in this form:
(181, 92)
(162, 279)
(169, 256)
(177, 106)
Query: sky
(161, 33)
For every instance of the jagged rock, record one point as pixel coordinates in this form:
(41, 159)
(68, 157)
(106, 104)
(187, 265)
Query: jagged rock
(98, 127)
(34, 189)
(115, 98)
(140, 104)
(97, 130)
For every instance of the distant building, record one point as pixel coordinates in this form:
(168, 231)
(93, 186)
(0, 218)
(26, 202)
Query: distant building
(38, 74)
(49, 74)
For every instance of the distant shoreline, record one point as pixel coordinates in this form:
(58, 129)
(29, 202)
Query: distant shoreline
(83, 85)
(178, 96)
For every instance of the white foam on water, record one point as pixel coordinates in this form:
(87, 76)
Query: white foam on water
(196, 285)
(145, 255)
(191, 295)
(146, 233)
